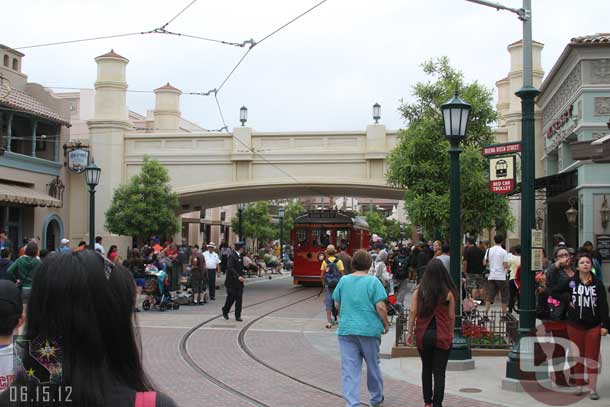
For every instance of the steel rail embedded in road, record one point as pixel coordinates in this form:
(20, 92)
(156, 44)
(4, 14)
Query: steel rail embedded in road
(242, 344)
(191, 362)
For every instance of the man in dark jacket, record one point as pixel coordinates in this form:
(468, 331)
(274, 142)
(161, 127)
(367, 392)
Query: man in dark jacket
(234, 281)
(5, 262)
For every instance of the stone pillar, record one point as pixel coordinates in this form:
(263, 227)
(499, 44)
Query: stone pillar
(167, 108)
(107, 129)
(242, 155)
(376, 151)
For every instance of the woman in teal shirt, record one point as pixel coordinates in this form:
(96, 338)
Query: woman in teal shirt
(360, 300)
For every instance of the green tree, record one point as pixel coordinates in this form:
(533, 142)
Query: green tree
(145, 206)
(420, 161)
(392, 228)
(376, 222)
(256, 222)
(291, 211)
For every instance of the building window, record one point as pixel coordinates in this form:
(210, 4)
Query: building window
(6, 59)
(223, 216)
(15, 64)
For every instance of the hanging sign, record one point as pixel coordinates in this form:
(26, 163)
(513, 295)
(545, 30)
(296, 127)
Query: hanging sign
(500, 149)
(78, 159)
(502, 174)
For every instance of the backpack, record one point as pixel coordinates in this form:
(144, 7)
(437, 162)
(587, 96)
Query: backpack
(401, 272)
(332, 276)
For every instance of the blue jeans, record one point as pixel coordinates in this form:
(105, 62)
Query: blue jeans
(353, 348)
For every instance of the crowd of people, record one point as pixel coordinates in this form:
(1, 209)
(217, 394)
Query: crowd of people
(571, 298)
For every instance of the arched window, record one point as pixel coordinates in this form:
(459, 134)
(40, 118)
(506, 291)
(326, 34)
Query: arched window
(15, 64)
(6, 58)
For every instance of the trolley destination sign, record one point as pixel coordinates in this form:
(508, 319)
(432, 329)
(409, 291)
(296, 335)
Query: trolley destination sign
(502, 149)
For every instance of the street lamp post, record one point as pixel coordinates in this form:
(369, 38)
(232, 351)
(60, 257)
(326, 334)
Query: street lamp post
(455, 119)
(93, 178)
(240, 214)
(243, 116)
(522, 353)
(280, 214)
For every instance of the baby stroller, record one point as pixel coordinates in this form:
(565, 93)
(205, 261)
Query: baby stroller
(156, 288)
(394, 307)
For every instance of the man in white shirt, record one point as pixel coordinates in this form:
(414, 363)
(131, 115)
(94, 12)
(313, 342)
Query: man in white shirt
(98, 247)
(212, 265)
(496, 258)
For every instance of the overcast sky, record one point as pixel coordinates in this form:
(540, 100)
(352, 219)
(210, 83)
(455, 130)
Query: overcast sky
(323, 72)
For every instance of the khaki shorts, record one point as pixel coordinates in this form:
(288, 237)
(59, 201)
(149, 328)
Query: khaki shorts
(495, 287)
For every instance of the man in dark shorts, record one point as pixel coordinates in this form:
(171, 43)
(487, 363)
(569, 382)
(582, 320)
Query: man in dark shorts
(473, 265)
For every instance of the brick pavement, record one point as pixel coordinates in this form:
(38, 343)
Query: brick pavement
(215, 349)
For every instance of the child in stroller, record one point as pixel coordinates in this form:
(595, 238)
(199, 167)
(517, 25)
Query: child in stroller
(156, 287)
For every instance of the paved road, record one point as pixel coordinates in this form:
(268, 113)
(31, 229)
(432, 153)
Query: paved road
(293, 360)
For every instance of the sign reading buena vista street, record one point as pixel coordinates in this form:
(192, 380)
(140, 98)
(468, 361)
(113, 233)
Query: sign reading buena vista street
(499, 149)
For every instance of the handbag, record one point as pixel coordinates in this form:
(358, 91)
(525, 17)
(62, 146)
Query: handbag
(556, 309)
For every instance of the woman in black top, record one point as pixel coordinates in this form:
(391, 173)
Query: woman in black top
(588, 321)
(82, 304)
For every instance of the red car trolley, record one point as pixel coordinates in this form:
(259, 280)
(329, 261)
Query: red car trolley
(315, 230)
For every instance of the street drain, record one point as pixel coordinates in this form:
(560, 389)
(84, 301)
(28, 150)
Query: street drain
(470, 390)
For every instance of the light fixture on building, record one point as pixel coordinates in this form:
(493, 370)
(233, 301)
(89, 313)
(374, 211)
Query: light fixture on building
(56, 188)
(281, 212)
(243, 115)
(605, 213)
(572, 213)
(376, 112)
(93, 179)
(539, 218)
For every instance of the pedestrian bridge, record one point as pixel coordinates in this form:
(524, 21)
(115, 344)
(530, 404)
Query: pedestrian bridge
(214, 169)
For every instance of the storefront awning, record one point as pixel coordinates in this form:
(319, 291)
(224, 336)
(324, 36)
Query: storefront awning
(553, 184)
(26, 196)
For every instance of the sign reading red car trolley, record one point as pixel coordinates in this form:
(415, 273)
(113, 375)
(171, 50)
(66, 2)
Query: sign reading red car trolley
(502, 174)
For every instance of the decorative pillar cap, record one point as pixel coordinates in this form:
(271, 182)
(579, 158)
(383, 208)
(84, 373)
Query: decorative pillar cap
(168, 88)
(111, 55)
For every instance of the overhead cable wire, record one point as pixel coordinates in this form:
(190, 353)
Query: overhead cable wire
(178, 15)
(292, 21)
(84, 39)
(234, 69)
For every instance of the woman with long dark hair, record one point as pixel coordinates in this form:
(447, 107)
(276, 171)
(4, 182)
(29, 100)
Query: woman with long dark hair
(84, 303)
(588, 321)
(431, 323)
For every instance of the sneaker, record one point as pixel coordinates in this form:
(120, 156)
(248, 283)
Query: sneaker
(195, 302)
(225, 315)
(239, 319)
(380, 404)
(594, 395)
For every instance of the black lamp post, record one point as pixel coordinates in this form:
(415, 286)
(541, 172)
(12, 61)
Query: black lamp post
(280, 214)
(240, 212)
(455, 118)
(376, 112)
(93, 178)
(243, 118)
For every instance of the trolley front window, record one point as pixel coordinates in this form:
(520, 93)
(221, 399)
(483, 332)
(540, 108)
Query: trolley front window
(321, 237)
(343, 238)
(301, 238)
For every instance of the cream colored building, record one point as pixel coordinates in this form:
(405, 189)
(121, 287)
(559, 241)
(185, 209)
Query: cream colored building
(509, 113)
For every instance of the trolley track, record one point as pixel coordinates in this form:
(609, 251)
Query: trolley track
(210, 377)
(241, 339)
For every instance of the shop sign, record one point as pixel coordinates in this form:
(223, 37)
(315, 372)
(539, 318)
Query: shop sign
(603, 246)
(502, 174)
(78, 159)
(500, 149)
(560, 122)
(537, 238)
(537, 259)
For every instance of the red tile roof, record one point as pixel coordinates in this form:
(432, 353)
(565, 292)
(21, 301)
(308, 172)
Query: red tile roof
(599, 38)
(19, 100)
(112, 54)
(167, 86)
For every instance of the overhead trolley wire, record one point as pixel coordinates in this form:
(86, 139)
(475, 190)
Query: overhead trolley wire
(178, 15)
(292, 21)
(84, 39)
